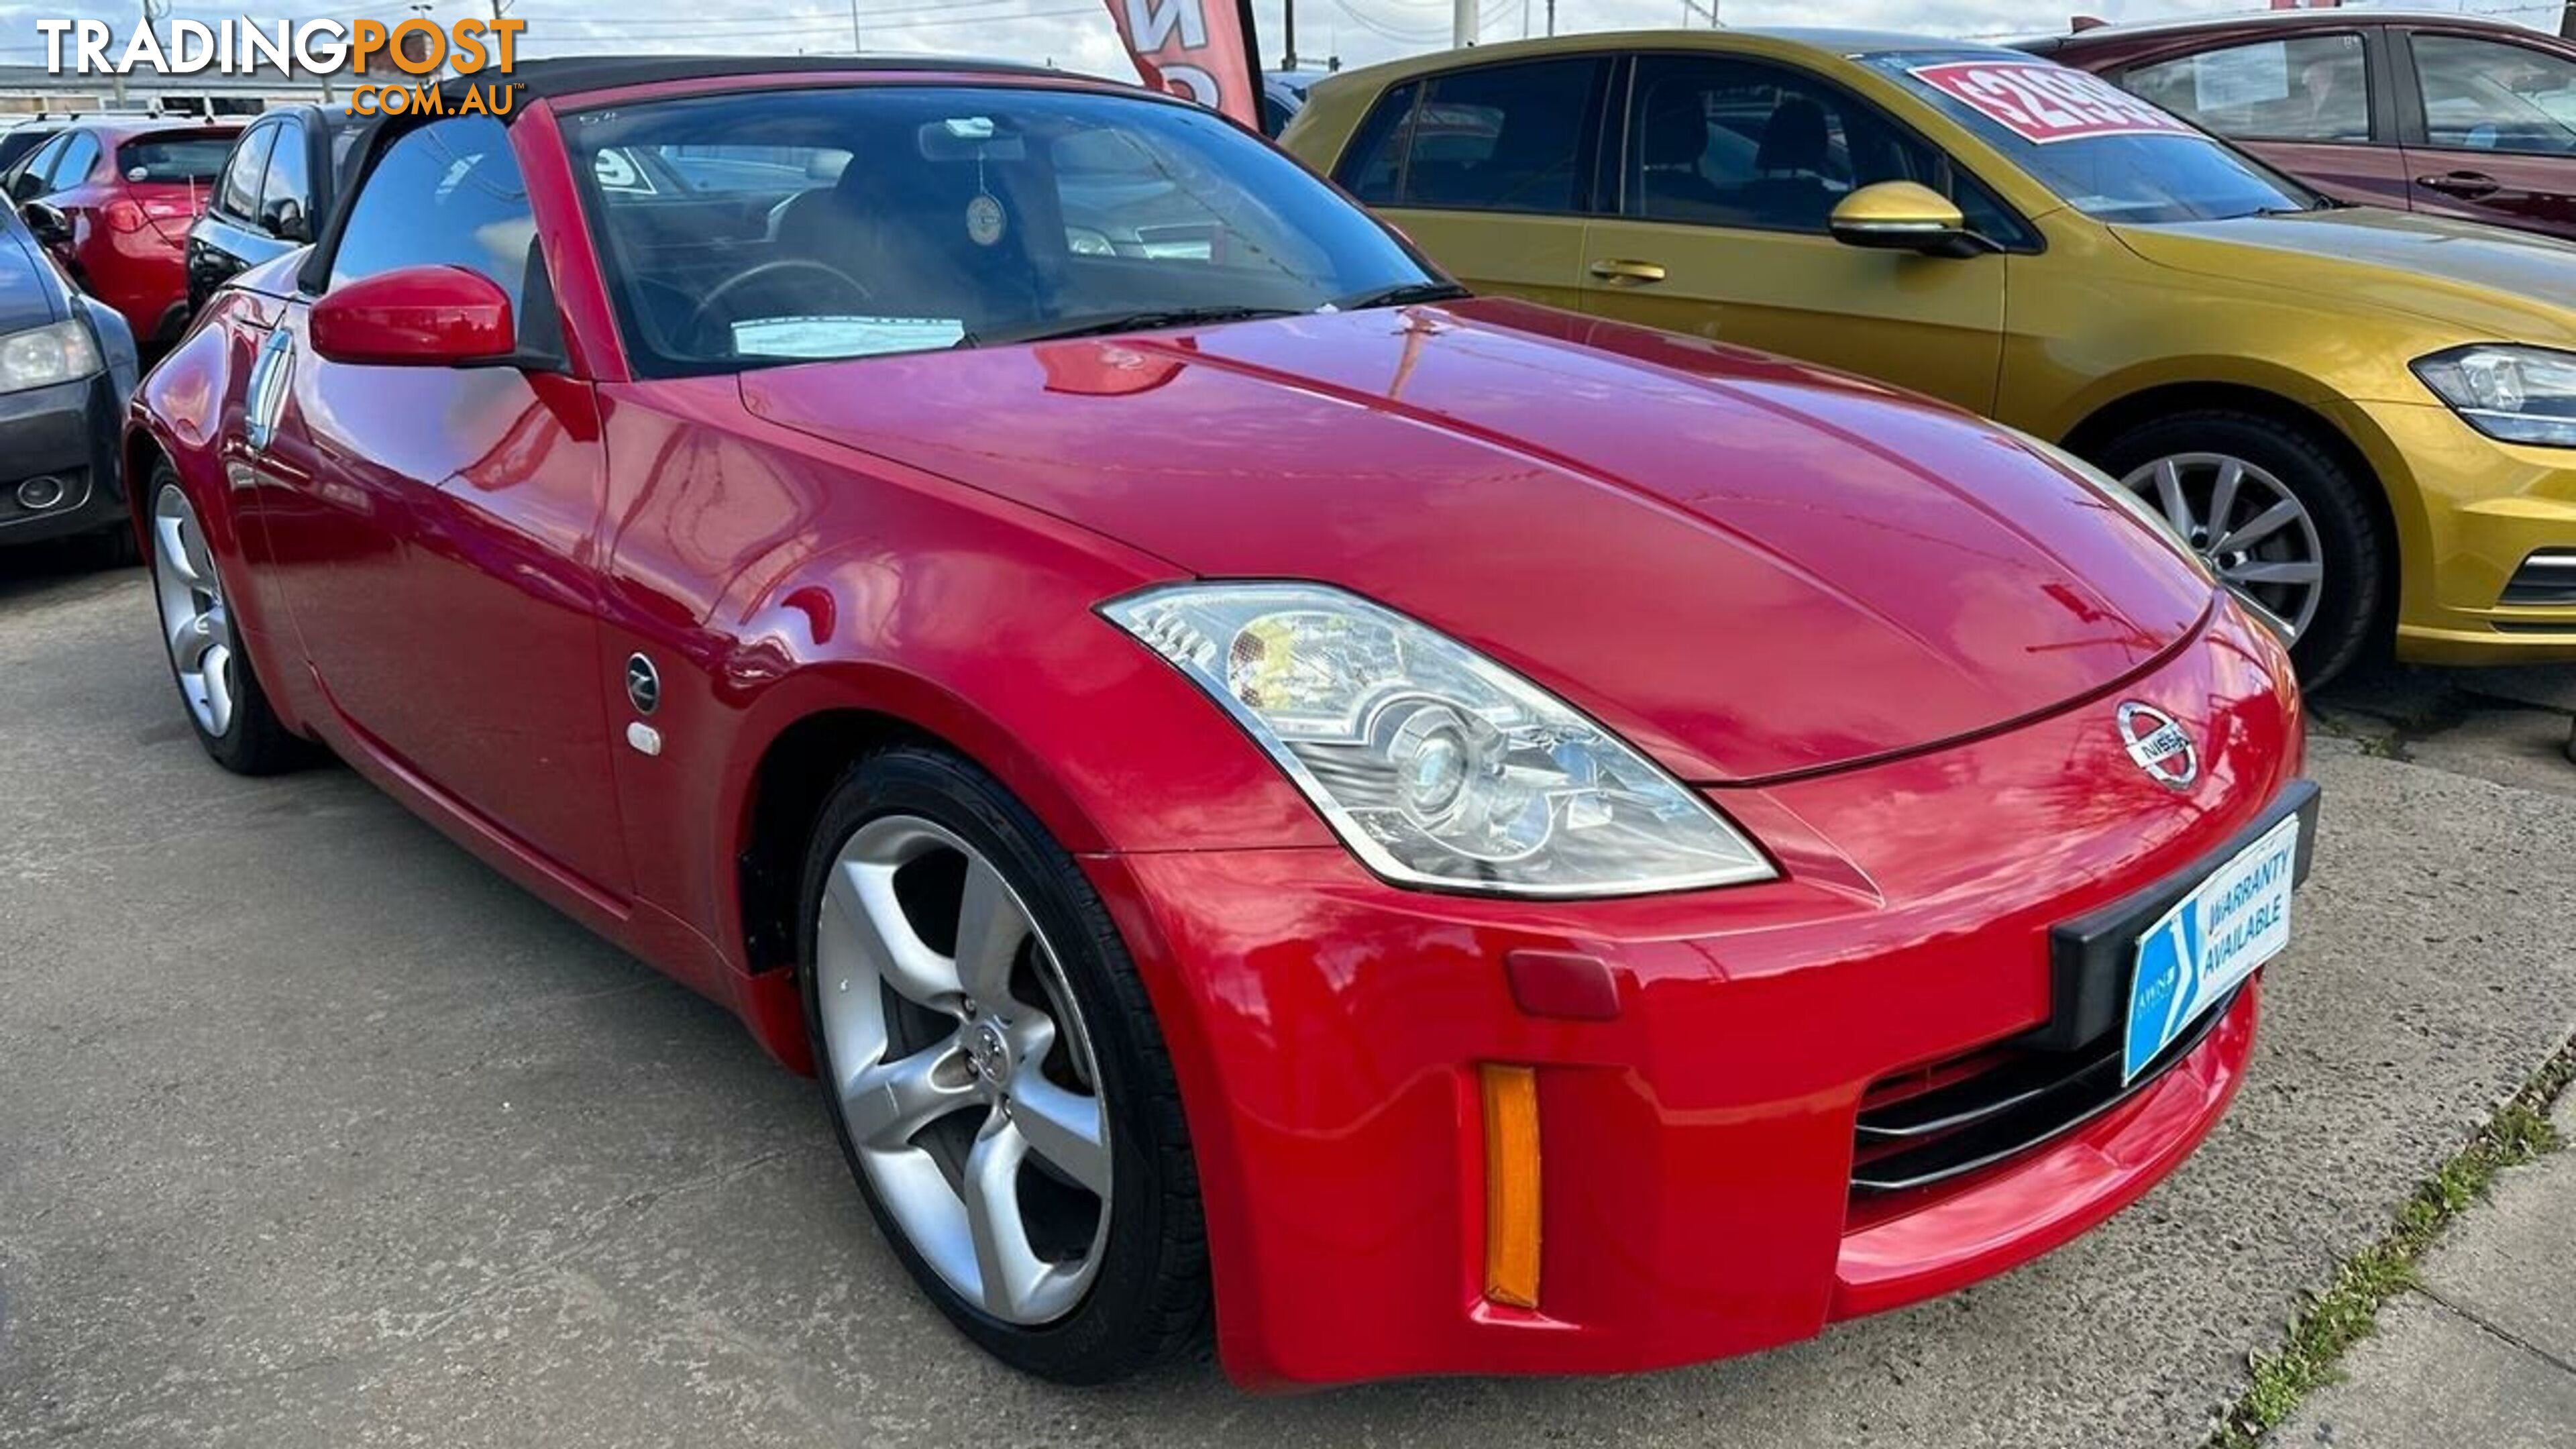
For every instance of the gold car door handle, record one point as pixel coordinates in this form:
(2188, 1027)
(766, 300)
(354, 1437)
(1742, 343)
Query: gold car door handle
(1628, 274)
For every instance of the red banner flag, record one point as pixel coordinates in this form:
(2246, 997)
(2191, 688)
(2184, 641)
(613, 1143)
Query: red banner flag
(1199, 50)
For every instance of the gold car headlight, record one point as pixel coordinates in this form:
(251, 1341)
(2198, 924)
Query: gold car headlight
(2513, 394)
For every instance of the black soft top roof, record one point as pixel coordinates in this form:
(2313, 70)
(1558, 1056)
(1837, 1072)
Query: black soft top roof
(537, 80)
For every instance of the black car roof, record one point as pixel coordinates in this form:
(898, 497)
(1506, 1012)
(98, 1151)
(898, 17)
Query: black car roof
(538, 80)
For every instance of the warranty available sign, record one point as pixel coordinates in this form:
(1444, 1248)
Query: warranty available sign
(2210, 942)
(417, 51)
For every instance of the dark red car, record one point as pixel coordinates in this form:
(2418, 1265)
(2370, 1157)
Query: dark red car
(1446, 835)
(114, 198)
(2441, 113)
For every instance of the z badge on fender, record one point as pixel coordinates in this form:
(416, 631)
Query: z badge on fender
(2213, 938)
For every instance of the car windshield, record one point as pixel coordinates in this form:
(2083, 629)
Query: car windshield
(174, 158)
(744, 230)
(2103, 151)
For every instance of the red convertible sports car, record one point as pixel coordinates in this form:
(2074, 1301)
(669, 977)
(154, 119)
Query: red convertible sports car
(1436, 834)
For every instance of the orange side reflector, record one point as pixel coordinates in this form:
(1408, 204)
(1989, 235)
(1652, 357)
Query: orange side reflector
(1511, 1185)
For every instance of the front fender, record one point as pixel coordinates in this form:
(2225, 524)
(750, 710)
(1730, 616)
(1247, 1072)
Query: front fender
(1110, 747)
(2065, 413)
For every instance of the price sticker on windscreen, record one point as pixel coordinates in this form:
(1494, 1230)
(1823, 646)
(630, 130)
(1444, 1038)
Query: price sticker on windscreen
(2046, 103)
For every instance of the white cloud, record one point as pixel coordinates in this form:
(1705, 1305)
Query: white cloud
(1077, 34)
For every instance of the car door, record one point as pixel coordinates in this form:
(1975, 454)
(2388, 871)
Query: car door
(226, 240)
(438, 554)
(1489, 170)
(1727, 171)
(2317, 104)
(2490, 130)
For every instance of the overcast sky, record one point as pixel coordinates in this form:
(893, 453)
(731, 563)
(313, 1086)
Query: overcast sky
(1077, 34)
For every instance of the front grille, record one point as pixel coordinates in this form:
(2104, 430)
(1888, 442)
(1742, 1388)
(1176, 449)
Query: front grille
(2547, 577)
(1932, 1124)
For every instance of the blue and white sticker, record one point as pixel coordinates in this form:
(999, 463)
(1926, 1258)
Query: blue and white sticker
(2210, 941)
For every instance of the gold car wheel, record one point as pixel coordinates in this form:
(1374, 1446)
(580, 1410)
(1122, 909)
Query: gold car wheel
(2253, 532)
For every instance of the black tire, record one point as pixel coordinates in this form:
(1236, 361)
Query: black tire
(2358, 595)
(254, 740)
(116, 548)
(1150, 1301)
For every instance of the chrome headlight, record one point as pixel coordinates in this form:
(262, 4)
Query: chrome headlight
(43, 356)
(2516, 394)
(1435, 765)
(2118, 494)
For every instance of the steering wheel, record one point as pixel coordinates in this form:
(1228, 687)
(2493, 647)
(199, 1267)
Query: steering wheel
(706, 308)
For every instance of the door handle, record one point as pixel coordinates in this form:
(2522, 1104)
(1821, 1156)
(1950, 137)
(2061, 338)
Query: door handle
(1628, 274)
(2467, 185)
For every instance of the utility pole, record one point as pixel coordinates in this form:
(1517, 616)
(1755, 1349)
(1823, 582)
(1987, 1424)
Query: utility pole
(1288, 34)
(854, 27)
(1551, 15)
(152, 10)
(1462, 23)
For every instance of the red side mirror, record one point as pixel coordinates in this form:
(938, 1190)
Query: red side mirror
(435, 316)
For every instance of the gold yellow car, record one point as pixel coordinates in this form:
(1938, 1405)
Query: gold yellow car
(2364, 420)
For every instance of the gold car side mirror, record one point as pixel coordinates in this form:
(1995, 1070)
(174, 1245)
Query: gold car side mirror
(1902, 216)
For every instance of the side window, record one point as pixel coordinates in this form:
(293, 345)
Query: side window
(1743, 144)
(28, 180)
(72, 164)
(286, 197)
(2311, 88)
(449, 192)
(2485, 95)
(1372, 165)
(1500, 138)
(237, 194)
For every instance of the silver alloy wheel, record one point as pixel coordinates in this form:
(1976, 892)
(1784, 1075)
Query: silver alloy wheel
(962, 1070)
(192, 611)
(2248, 527)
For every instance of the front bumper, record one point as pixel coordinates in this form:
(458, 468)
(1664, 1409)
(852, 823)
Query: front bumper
(1697, 1148)
(2472, 513)
(66, 433)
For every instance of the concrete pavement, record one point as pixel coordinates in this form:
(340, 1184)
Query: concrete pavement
(2483, 1350)
(314, 1132)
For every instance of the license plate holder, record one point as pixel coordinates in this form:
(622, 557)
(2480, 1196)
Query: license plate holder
(2092, 957)
(2204, 946)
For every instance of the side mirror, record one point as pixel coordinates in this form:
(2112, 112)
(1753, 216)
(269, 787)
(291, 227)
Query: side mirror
(432, 316)
(285, 220)
(1902, 216)
(47, 223)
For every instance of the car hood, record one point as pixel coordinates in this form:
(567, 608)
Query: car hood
(1749, 567)
(28, 294)
(2483, 281)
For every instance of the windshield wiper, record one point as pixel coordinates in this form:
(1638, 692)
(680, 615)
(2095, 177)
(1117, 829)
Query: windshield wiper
(1399, 295)
(1142, 321)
